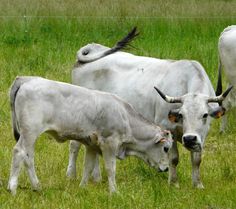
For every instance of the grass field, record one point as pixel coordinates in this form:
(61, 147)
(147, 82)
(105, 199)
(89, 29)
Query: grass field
(45, 44)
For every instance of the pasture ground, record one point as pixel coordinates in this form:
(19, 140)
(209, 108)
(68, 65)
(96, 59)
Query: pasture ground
(45, 43)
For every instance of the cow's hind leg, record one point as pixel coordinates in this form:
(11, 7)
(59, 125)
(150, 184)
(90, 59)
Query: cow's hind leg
(227, 104)
(89, 163)
(173, 162)
(29, 164)
(196, 161)
(96, 174)
(23, 152)
(17, 160)
(73, 154)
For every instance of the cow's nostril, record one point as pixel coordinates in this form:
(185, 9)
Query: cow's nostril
(190, 138)
(166, 149)
(189, 141)
(163, 170)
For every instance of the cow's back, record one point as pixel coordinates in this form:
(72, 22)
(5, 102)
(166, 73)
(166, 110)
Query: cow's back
(133, 78)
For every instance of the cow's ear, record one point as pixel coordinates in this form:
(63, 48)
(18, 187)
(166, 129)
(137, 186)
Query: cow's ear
(174, 116)
(162, 137)
(217, 112)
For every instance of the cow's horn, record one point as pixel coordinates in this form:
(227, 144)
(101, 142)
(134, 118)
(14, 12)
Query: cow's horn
(219, 82)
(221, 97)
(168, 98)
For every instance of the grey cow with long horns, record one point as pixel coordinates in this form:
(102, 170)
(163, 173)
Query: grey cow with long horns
(186, 111)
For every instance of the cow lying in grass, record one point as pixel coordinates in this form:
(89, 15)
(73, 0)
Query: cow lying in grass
(102, 121)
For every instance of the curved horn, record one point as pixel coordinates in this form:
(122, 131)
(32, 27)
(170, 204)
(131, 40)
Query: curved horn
(168, 98)
(221, 97)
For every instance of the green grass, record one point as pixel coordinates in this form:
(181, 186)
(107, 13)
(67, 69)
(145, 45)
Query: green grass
(46, 46)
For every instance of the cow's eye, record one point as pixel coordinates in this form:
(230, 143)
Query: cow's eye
(205, 116)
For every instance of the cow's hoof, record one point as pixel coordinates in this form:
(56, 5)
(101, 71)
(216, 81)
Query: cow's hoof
(37, 187)
(96, 175)
(12, 191)
(12, 188)
(198, 185)
(71, 174)
(82, 184)
(222, 131)
(174, 184)
(97, 178)
(113, 192)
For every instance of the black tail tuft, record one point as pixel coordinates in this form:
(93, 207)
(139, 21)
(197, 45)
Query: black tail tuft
(125, 41)
(119, 45)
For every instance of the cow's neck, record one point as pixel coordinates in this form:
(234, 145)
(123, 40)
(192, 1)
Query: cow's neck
(141, 155)
(133, 147)
(143, 135)
(143, 130)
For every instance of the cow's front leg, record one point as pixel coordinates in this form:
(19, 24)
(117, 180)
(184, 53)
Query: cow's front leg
(73, 154)
(110, 165)
(89, 162)
(196, 158)
(173, 162)
(109, 149)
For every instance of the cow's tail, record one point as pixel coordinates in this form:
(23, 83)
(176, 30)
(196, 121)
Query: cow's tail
(13, 93)
(219, 82)
(85, 57)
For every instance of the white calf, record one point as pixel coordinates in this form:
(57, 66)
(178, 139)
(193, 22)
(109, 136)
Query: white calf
(103, 122)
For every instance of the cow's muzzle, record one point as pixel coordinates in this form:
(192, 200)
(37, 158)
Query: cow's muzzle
(192, 143)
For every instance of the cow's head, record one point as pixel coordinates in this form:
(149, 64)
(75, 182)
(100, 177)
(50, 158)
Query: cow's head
(194, 115)
(157, 151)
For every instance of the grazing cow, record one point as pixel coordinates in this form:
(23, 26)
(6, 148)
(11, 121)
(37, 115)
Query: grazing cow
(227, 54)
(133, 77)
(102, 121)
